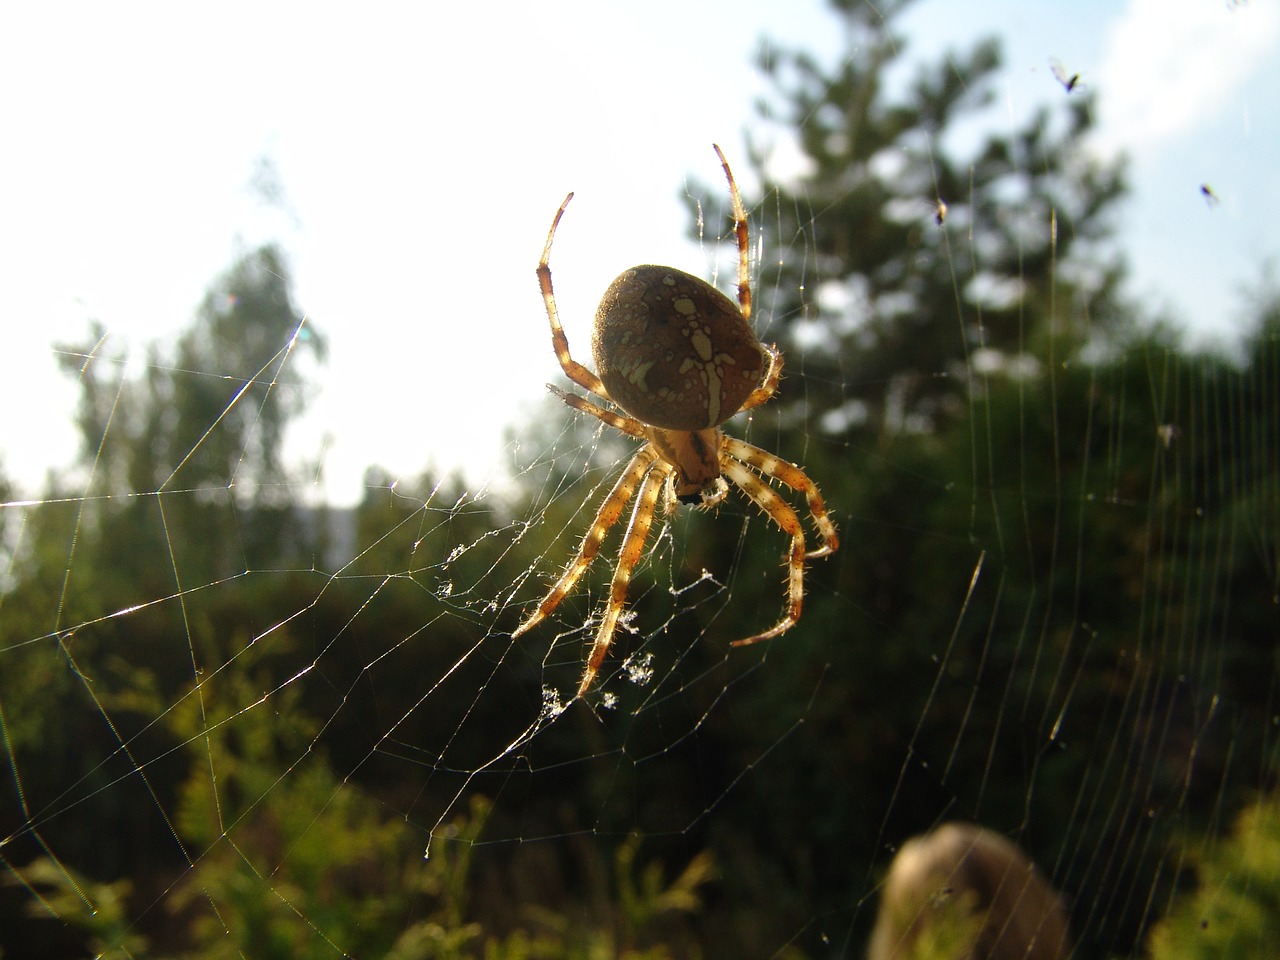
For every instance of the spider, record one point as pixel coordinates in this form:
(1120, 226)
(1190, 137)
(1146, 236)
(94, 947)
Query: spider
(677, 358)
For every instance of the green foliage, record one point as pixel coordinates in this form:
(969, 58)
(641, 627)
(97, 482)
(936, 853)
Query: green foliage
(99, 910)
(1235, 909)
(643, 900)
(288, 861)
(635, 933)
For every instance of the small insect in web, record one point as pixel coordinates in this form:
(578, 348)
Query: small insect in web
(939, 211)
(1069, 81)
(677, 358)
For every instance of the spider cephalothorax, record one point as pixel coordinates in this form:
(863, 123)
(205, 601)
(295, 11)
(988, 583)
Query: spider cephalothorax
(677, 358)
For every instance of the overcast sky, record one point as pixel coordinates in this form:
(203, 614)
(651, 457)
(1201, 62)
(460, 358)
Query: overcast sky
(422, 151)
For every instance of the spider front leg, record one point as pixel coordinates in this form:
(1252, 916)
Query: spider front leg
(606, 516)
(572, 368)
(769, 385)
(741, 235)
(624, 424)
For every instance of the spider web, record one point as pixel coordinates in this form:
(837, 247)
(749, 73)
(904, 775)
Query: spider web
(240, 720)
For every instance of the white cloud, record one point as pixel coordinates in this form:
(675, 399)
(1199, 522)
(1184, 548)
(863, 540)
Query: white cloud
(1169, 66)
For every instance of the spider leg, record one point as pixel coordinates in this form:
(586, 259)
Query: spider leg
(744, 240)
(628, 556)
(764, 496)
(768, 385)
(606, 516)
(627, 425)
(793, 477)
(572, 368)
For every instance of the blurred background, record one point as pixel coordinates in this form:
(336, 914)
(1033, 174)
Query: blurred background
(279, 475)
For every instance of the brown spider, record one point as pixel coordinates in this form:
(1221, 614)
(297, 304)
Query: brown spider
(677, 358)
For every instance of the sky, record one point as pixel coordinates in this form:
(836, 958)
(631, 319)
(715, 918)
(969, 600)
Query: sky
(420, 153)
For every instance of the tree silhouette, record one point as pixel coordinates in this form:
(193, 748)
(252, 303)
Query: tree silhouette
(197, 438)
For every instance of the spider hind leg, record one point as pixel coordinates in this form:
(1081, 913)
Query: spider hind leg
(609, 512)
(628, 556)
(767, 499)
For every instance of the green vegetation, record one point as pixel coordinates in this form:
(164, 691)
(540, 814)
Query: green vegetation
(287, 862)
(1235, 908)
(1054, 611)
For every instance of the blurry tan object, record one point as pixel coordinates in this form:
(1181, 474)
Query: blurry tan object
(963, 892)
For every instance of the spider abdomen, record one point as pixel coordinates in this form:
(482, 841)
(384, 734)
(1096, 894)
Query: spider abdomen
(673, 351)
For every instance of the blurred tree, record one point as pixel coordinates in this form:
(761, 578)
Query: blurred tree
(198, 437)
(879, 301)
(137, 570)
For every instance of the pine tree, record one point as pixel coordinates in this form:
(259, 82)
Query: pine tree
(902, 254)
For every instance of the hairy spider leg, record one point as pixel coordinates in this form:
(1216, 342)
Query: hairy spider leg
(733, 454)
(627, 425)
(796, 479)
(743, 238)
(769, 385)
(572, 368)
(767, 499)
(770, 382)
(606, 516)
(628, 556)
